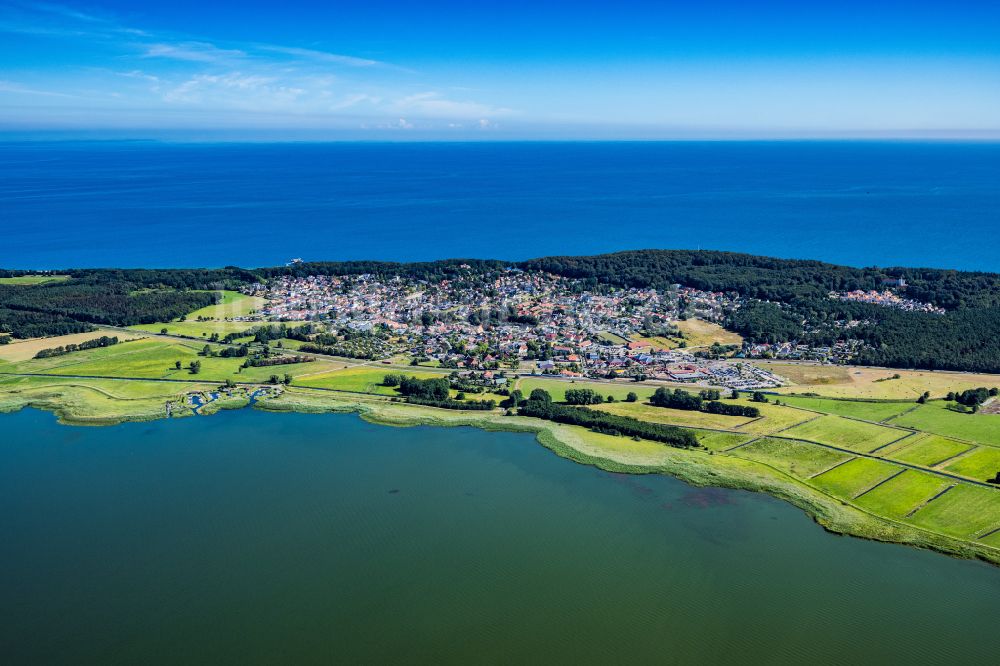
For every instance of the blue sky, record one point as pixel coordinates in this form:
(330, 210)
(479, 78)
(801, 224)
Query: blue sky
(502, 70)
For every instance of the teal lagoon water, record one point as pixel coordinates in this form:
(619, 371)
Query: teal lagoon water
(257, 538)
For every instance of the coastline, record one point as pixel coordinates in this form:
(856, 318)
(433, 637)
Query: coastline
(611, 454)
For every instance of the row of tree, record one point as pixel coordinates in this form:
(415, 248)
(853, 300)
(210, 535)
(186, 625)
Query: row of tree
(707, 401)
(539, 405)
(96, 343)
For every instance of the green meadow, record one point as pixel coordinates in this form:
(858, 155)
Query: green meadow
(866, 411)
(964, 511)
(855, 477)
(845, 433)
(216, 318)
(557, 387)
(30, 280)
(937, 418)
(902, 494)
(981, 464)
(929, 450)
(799, 459)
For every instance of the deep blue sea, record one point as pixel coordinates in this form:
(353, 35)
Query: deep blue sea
(77, 204)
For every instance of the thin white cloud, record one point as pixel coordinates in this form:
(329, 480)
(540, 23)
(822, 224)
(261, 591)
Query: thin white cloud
(321, 56)
(192, 52)
(11, 87)
(175, 73)
(433, 104)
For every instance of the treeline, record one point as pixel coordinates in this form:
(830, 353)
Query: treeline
(707, 401)
(973, 397)
(72, 306)
(343, 351)
(477, 405)
(433, 392)
(26, 324)
(540, 405)
(264, 362)
(96, 343)
(436, 388)
(768, 278)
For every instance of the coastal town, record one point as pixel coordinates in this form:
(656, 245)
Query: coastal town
(517, 322)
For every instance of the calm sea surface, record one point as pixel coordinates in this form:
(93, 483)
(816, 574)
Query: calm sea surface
(257, 538)
(160, 204)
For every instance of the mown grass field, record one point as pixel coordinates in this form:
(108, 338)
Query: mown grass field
(866, 411)
(721, 441)
(929, 450)
(845, 433)
(854, 477)
(26, 349)
(647, 412)
(155, 358)
(873, 383)
(982, 464)
(799, 459)
(557, 388)
(964, 511)
(902, 494)
(30, 280)
(361, 379)
(701, 333)
(935, 417)
(659, 342)
(775, 418)
(215, 318)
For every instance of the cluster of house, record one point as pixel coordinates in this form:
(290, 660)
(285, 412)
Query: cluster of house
(842, 351)
(529, 322)
(887, 299)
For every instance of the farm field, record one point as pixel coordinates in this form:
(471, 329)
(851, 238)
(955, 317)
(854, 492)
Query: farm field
(659, 342)
(360, 379)
(557, 388)
(30, 280)
(799, 459)
(964, 511)
(855, 476)
(935, 417)
(866, 411)
(775, 418)
(155, 358)
(981, 465)
(701, 333)
(902, 494)
(26, 349)
(646, 412)
(613, 338)
(845, 433)
(873, 383)
(929, 450)
(720, 441)
(215, 318)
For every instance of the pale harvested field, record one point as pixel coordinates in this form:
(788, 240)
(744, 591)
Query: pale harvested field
(26, 350)
(855, 382)
(701, 333)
